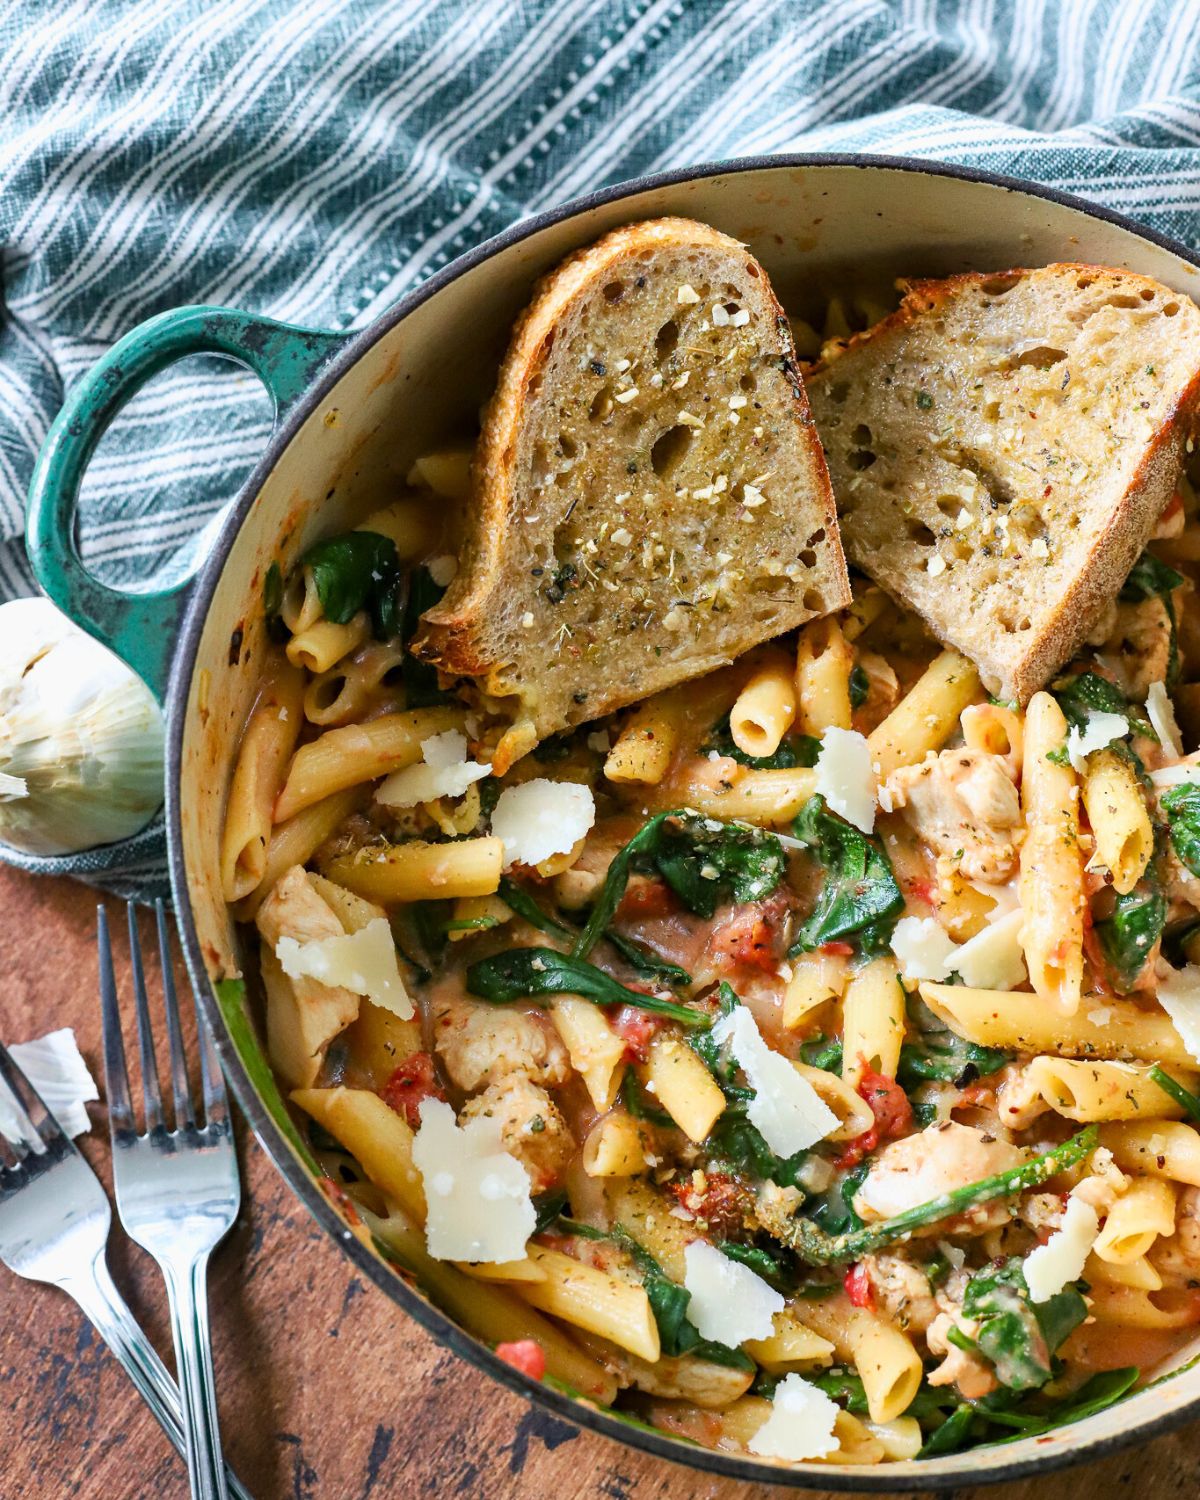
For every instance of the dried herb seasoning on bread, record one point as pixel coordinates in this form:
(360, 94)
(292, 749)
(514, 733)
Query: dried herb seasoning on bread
(649, 495)
(1001, 447)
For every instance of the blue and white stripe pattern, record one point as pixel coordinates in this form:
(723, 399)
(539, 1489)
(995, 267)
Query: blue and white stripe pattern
(313, 159)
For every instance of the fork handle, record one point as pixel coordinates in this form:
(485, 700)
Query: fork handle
(97, 1294)
(187, 1293)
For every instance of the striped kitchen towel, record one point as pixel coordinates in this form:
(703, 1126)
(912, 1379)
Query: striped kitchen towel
(312, 159)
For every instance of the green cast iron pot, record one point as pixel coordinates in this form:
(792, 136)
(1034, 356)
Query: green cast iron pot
(351, 413)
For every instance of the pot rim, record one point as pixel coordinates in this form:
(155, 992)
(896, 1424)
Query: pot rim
(450, 1334)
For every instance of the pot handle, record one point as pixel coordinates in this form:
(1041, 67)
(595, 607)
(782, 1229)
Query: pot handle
(141, 627)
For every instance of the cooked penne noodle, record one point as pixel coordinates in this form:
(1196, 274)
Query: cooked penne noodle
(890, 1367)
(763, 797)
(824, 661)
(1052, 896)
(645, 1213)
(872, 1021)
(683, 1086)
(792, 1345)
(355, 686)
(421, 872)
(853, 1112)
(446, 471)
(1128, 1307)
(592, 1299)
(1139, 1274)
(596, 1051)
(375, 1136)
(1155, 1148)
(1119, 817)
(411, 523)
(297, 840)
(865, 609)
(1092, 1090)
(647, 744)
(815, 979)
(615, 1146)
(997, 730)
(765, 708)
(266, 747)
(1144, 1212)
(301, 606)
(355, 753)
(1102, 1027)
(322, 645)
(926, 716)
(493, 1313)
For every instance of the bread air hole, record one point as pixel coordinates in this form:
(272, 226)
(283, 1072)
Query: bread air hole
(919, 532)
(665, 341)
(670, 450)
(602, 405)
(861, 458)
(814, 600)
(808, 557)
(614, 291)
(817, 537)
(998, 286)
(1040, 357)
(1170, 309)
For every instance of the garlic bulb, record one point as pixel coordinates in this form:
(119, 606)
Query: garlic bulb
(81, 736)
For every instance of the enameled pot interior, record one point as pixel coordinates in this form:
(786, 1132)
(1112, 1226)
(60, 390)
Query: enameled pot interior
(416, 380)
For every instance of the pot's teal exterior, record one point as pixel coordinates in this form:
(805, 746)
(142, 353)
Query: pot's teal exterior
(141, 627)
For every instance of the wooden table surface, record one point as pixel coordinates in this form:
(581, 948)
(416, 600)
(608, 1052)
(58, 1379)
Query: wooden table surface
(327, 1391)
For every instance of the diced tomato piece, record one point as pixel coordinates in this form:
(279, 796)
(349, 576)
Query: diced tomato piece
(857, 1284)
(720, 1203)
(889, 1104)
(647, 896)
(340, 1199)
(526, 1355)
(924, 889)
(893, 1117)
(637, 1028)
(413, 1081)
(838, 949)
(752, 935)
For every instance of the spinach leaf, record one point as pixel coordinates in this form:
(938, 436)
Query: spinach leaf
(773, 1265)
(518, 899)
(859, 897)
(528, 973)
(860, 687)
(548, 1207)
(834, 1209)
(703, 860)
(669, 1303)
(824, 1053)
(716, 1058)
(1178, 940)
(420, 679)
(357, 570)
(634, 1101)
(1017, 1335)
(1149, 578)
(647, 964)
(1096, 1394)
(1127, 937)
(1089, 693)
(1182, 807)
(794, 749)
(736, 1144)
(951, 1435)
(941, 1055)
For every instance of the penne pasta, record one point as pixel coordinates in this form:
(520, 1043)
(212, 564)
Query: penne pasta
(926, 716)
(767, 798)
(888, 1364)
(589, 1298)
(683, 1086)
(647, 744)
(765, 708)
(615, 1146)
(824, 661)
(792, 1345)
(419, 872)
(1155, 1148)
(346, 757)
(375, 1135)
(296, 841)
(1119, 818)
(1144, 1212)
(872, 1021)
(597, 1053)
(322, 645)
(1089, 1089)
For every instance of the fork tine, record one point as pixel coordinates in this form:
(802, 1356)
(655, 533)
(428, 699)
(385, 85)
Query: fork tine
(50, 1133)
(151, 1092)
(116, 1076)
(180, 1087)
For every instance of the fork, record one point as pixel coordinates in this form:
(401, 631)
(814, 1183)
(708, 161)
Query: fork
(177, 1191)
(54, 1225)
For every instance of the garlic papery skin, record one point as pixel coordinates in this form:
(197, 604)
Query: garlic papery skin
(81, 737)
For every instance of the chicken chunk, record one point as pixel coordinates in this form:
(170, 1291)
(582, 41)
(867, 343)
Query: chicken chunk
(902, 1291)
(709, 1386)
(963, 804)
(1140, 642)
(935, 1161)
(531, 1127)
(482, 1044)
(1177, 1259)
(303, 1015)
(960, 1367)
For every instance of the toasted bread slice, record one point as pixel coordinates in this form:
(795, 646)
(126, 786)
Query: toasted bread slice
(1001, 447)
(649, 495)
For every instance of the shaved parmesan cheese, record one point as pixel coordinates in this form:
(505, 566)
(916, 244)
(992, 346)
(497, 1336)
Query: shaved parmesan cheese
(541, 818)
(1182, 773)
(1179, 996)
(923, 947)
(729, 1303)
(60, 1077)
(1161, 713)
(445, 772)
(993, 958)
(363, 962)
(476, 1193)
(1101, 730)
(1060, 1260)
(845, 777)
(800, 1425)
(786, 1110)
